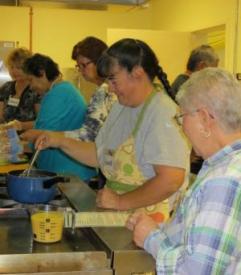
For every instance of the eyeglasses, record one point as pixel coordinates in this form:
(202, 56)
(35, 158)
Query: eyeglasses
(179, 117)
(82, 66)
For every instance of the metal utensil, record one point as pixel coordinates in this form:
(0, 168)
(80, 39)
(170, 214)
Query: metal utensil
(27, 171)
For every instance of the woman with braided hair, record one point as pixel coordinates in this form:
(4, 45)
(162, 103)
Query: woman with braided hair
(139, 149)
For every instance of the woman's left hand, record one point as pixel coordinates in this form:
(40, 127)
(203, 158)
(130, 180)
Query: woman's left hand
(106, 198)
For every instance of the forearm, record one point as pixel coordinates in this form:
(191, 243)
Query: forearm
(149, 193)
(193, 255)
(26, 125)
(192, 243)
(31, 135)
(155, 190)
(84, 152)
(172, 255)
(87, 132)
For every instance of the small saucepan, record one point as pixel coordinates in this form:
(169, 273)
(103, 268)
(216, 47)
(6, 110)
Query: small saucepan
(38, 187)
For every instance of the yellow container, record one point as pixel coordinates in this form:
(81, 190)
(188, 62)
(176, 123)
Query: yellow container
(47, 224)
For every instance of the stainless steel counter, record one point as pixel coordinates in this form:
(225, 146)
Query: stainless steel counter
(20, 254)
(117, 242)
(114, 243)
(16, 237)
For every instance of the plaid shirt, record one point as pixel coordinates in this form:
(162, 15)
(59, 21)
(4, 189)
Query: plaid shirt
(204, 236)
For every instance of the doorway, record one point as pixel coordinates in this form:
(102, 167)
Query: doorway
(215, 37)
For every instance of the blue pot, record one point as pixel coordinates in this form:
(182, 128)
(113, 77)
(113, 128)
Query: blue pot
(38, 187)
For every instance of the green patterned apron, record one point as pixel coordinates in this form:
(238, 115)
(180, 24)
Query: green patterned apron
(123, 173)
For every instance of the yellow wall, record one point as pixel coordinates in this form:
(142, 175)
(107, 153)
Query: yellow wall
(237, 47)
(55, 31)
(189, 15)
(14, 23)
(172, 59)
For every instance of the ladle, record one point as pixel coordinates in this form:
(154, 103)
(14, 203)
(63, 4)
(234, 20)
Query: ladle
(27, 171)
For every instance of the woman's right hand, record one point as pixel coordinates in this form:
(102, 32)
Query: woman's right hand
(141, 225)
(48, 139)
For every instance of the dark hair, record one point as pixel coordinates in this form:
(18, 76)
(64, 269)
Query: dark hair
(90, 47)
(130, 53)
(38, 63)
(203, 53)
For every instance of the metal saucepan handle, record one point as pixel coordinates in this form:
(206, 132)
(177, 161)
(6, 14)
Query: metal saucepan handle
(50, 182)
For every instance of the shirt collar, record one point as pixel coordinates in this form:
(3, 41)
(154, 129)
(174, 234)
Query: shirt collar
(217, 157)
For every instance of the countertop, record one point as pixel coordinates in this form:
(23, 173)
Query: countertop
(126, 257)
(10, 167)
(116, 243)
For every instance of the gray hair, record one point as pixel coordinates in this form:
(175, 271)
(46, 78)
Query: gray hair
(205, 54)
(218, 91)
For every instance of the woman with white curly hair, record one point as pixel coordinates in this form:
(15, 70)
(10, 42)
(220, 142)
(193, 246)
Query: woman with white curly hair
(203, 236)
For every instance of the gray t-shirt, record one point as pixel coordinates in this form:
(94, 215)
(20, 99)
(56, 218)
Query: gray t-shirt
(159, 140)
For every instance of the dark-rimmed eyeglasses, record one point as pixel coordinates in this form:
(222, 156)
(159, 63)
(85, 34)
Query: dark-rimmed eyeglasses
(82, 66)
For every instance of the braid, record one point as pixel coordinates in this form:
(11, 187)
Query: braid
(163, 78)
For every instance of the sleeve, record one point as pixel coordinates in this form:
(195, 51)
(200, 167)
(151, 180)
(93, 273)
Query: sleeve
(210, 238)
(97, 112)
(165, 143)
(50, 118)
(72, 134)
(95, 117)
(4, 91)
(105, 129)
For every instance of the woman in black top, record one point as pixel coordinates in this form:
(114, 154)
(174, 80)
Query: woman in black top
(18, 103)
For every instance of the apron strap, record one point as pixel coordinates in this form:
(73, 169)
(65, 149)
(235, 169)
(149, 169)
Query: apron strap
(141, 115)
(119, 186)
